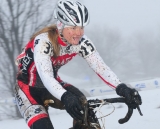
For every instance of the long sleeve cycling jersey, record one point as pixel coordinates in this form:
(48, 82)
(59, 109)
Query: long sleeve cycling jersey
(38, 66)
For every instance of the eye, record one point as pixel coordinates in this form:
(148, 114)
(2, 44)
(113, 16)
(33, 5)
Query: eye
(73, 27)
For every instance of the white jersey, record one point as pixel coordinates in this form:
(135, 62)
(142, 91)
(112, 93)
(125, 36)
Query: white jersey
(37, 62)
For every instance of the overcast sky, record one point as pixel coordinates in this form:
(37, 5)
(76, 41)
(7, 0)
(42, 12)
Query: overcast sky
(126, 16)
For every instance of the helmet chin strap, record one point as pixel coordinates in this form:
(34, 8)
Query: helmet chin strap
(60, 27)
(60, 41)
(63, 39)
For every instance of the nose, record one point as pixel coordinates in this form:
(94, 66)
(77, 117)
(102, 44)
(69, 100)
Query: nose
(79, 31)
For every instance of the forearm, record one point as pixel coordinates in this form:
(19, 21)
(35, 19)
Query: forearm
(102, 70)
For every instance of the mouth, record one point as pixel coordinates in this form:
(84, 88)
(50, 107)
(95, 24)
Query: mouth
(76, 40)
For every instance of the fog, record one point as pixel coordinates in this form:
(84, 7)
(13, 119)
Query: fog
(126, 33)
(127, 36)
(126, 16)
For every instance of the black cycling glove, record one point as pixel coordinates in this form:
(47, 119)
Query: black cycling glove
(72, 105)
(75, 91)
(131, 95)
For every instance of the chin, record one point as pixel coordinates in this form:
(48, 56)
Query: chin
(73, 43)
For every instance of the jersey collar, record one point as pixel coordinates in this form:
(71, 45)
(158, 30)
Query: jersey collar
(61, 42)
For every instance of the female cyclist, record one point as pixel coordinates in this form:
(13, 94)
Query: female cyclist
(38, 84)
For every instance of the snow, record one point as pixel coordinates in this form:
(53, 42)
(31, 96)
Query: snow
(150, 119)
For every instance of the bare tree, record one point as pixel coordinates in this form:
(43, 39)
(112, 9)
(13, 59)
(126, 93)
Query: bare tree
(141, 59)
(19, 19)
(148, 48)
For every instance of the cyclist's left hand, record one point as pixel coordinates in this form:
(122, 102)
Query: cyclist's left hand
(131, 95)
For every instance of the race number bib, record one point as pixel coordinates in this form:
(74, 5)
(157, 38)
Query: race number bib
(86, 47)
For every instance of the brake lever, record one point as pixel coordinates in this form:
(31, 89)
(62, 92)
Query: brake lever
(130, 110)
(139, 110)
(138, 102)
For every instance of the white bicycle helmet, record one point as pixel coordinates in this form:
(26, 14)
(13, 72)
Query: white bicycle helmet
(71, 13)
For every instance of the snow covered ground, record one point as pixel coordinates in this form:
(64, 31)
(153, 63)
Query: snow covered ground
(150, 119)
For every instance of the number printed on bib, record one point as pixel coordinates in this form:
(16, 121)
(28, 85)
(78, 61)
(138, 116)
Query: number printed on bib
(46, 48)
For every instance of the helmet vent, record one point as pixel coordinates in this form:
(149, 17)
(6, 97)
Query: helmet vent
(70, 2)
(86, 14)
(62, 17)
(72, 13)
(81, 14)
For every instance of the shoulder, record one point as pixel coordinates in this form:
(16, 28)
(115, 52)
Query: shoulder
(86, 46)
(41, 38)
(42, 44)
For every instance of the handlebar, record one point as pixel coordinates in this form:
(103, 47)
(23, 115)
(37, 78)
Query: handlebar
(131, 106)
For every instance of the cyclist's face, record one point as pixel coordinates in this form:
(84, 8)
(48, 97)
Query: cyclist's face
(73, 34)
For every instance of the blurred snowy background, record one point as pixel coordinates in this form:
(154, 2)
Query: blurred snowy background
(125, 32)
(150, 119)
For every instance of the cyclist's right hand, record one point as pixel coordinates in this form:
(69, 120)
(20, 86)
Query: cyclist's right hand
(72, 105)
